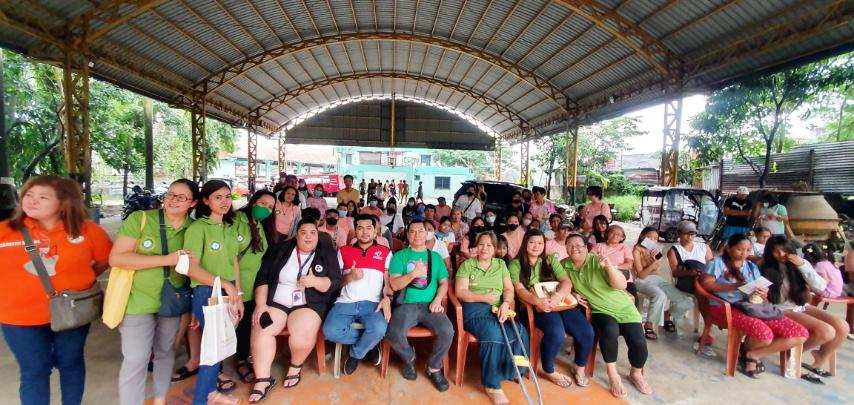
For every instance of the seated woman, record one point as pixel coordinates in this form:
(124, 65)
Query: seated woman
(467, 244)
(657, 288)
(297, 281)
(823, 265)
(482, 283)
(619, 255)
(533, 266)
(597, 234)
(602, 285)
(793, 278)
(687, 259)
(723, 276)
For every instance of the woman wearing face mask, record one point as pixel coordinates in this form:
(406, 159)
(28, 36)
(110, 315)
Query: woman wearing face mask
(302, 190)
(775, 217)
(138, 248)
(372, 208)
(437, 245)
(469, 204)
(391, 221)
(526, 221)
(514, 235)
(408, 210)
(316, 200)
(468, 245)
(214, 250)
(490, 218)
(287, 215)
(793, 279)
(345, 221)
(252, 243)
(517, 204)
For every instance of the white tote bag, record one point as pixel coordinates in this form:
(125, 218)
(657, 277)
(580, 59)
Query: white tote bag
(218, 338)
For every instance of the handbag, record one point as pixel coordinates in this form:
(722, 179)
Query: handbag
(69, 309)
(400, 296)
(547, 289)
(765, 310)
(118, 291)
(686, 283)
(174, 301)
(219, 340)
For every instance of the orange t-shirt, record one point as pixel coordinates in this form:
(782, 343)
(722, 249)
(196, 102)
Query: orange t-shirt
(23, 301)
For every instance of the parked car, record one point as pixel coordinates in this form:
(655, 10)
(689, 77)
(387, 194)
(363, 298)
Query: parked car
(664, 207)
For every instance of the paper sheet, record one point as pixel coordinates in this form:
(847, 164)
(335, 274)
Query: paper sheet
(752, 286)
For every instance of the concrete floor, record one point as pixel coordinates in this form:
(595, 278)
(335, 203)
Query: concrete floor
(675, 373)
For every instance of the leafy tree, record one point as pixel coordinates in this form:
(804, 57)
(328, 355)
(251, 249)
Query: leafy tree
(747, 118)
(835, 109)
(117, 125)
(481, 163)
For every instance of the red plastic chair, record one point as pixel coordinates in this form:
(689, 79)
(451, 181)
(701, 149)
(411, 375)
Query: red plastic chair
(418, 332)
(734, 336)
(319, 349)
(537, 339)
(463, 338)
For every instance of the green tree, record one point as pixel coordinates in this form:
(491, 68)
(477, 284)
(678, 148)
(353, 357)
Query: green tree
(481, 163)
(747, 118)
(117, 124)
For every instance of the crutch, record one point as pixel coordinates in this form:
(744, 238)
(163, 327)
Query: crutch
(520, 360)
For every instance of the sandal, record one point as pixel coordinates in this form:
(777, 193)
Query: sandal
(226, 385)
(649, 333)
(812, 378)
(643, 388)
(267, 389)
(183, 374)
(817, 371)
(292, 377)
(497, 396)
(241, 365)
(750, 373)
(559, 379)
(580, 378)
(670, 326)
(622, 393)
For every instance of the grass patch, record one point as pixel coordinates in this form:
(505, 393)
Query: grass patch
(626, 205)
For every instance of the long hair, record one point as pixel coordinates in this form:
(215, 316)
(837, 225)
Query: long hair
(255, 242)
(285, 189)
(776, 272)
(204, 210)
(732, 271)
(642, 234)
(526, 268)
(472, 235)
(813, 253)
(194, 191)
(72, 211)
(599, 235)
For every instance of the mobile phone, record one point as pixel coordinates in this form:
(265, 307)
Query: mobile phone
(658, 256)
(265, 320)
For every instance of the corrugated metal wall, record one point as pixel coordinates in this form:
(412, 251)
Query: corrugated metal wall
(827, 167)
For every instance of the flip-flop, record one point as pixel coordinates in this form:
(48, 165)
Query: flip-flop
(622, 394)
(581, 378)
(559, 379)
(669, 326)
(812, 378)
(649, 333)
(183, 374)
(636, 383)
(497, 397)
(742, 368)
(817, 371)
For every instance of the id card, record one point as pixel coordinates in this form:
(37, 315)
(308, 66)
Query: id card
(297, 298)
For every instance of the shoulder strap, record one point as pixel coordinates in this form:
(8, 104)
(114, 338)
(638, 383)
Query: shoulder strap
(469, 206)
(36, 258)
(164, 243)
(678, 256)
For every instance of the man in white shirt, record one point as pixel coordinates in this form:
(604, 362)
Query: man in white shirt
(469, 204)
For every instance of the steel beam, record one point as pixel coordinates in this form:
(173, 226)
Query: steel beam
(251, 157)
(571, 174)
(75, 120)
(283, 162)
(524, 175)
(200, 156)
(670, 147)
(109, 15)
(498, 145)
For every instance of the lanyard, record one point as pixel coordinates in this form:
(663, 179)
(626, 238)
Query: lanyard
(300, 263)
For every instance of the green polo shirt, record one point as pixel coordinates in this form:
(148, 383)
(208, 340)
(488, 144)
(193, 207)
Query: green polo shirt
(591, 281)
(145, 292)
(515, 268)
(404, 261)
(481, 281)
(250, 262)
(214, 245)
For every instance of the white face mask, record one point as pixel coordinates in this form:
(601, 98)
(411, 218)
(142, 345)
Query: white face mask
(342, 213)
(490, 218)
(526, 222)
(431, 235)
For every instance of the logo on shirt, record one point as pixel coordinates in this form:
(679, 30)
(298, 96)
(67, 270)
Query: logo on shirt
(76, 240)
(378, 255)
(147, 244)
(318, 269)
(215, 246)
(240, 238)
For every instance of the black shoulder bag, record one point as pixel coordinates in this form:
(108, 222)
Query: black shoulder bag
(68, 309)
(173, 301)
(684, 284)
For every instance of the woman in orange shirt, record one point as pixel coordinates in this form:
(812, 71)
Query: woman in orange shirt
(74, 251)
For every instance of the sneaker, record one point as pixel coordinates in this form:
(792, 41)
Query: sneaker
(438, 379)
(375, 355)
(351, 365)
(706, 352)
(408, 371)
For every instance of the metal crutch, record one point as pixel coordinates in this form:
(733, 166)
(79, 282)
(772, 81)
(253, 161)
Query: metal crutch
(523, 360)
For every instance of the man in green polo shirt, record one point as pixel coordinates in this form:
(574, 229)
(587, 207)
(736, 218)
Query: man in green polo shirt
(423, 291)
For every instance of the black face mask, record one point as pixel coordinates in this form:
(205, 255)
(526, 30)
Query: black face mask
(391, 210)
(477, 229)
(512, 227)
(527, 199)
(517, 202)
(332, 221)
(469, 193)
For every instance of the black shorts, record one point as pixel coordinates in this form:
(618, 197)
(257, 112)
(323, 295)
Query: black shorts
(320, 309)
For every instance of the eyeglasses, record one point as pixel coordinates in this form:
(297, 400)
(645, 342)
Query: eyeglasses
(177, 197)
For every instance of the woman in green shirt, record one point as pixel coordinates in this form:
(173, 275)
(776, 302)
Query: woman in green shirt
(531, 266)
(483, 282)
(214, 250)
(138, 248)
(603, 286)
(252, 242)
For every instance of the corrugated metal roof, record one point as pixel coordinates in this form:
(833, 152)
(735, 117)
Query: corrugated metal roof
(540, 58)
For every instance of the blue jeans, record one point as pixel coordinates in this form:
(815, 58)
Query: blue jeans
(38, 350)
(555, 326)
(338, 326)
(730, 230)
(206, 379)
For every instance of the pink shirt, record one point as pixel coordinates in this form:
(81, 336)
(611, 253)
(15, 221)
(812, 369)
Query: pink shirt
(542, 211)
(590, 211)
(285, 218)
(618, 254)
(339, 235)
(514, 241)
(829, 272)
(555, 247)
(319, 203)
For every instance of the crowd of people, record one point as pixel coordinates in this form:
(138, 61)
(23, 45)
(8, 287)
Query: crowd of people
(372, 268)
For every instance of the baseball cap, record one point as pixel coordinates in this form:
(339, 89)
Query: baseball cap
(686, 227)
(743, 190)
